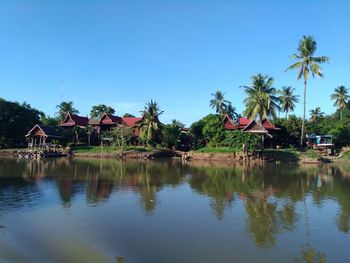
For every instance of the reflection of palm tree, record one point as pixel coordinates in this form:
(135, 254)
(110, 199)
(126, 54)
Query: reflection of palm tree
(262, 221)
(310, 255)
(147, 191)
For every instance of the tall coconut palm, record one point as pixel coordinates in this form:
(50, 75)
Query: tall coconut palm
(64, 107)
(150, 124)
(261, 101)
(341, 98)
(219, 102)
(316, 115)
(288, 99)
(306, 64)
(231, 111)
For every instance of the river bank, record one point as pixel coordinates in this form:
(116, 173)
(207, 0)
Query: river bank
(207, 154)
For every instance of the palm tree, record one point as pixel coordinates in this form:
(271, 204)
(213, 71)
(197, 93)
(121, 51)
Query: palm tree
(261, 100)
(150, 124)
(231, 111)
(288, 100)
(306, 64)
(64, 107)
(219, 102)
(316, 115)
(341, 98)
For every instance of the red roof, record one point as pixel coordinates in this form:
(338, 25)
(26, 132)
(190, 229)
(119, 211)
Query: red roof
(131, 121)
(268, 125)
(73, 119)
(229, 125)
(243, 122)
(110, 119)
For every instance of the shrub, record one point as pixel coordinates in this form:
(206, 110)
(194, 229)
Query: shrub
(235, 139)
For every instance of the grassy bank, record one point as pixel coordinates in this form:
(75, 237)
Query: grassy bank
(216, 150)
(108, 149)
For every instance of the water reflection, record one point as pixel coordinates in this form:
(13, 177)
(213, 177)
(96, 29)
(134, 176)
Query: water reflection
(275, 201)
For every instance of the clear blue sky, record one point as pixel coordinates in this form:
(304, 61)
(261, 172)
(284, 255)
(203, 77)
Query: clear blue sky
(124, 53)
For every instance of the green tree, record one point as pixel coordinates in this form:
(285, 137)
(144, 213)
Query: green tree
(316, 115)
(341, 98)
(128, 115)
(213, 130)
(288, 99)
(97, 110)
(196, 130)
(64, 107)
(231, 111)
(218, 102)
(307, 63)
(261, 100)
(15, 122)
(171, 133)
(150, 125)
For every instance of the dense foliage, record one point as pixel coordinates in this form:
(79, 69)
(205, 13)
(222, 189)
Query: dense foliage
(15, 122)
(97, 111)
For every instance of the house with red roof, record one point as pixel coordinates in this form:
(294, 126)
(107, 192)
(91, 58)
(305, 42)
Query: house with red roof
(72, 120)
(242, 123)
(133, 122)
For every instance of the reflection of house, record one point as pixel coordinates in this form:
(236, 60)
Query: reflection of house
(242, 123)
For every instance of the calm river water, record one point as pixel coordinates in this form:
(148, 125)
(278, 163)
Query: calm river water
(64, 210)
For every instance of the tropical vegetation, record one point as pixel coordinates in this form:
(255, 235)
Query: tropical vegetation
(306, 64)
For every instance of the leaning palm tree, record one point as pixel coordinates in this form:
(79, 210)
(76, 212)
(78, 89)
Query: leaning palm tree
(316, 115)
(307, 64)
(341, 98)
(261, 101)
(150, 125)
(219, 102)
(288, 99)
(64, 107)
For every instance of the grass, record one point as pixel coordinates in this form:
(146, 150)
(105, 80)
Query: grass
(216, 150)
(107, 149)
(346, 155)
(312, 154)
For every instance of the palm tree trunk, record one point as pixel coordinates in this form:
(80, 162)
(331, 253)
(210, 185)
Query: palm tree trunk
(341, 114)
(303, 121)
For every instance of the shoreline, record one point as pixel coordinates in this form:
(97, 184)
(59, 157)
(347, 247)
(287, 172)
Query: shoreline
(270, 156)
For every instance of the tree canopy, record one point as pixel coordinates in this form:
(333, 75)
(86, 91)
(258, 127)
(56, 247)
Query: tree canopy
(97, 110)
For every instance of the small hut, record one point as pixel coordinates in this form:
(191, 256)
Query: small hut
(257, 128)
(41, 136)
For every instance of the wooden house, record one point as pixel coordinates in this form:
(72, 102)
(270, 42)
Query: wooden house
(242, 123)
(72, 120)
(133, 123)
(105, 123)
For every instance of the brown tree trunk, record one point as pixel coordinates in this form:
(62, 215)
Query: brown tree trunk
(303, 121)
